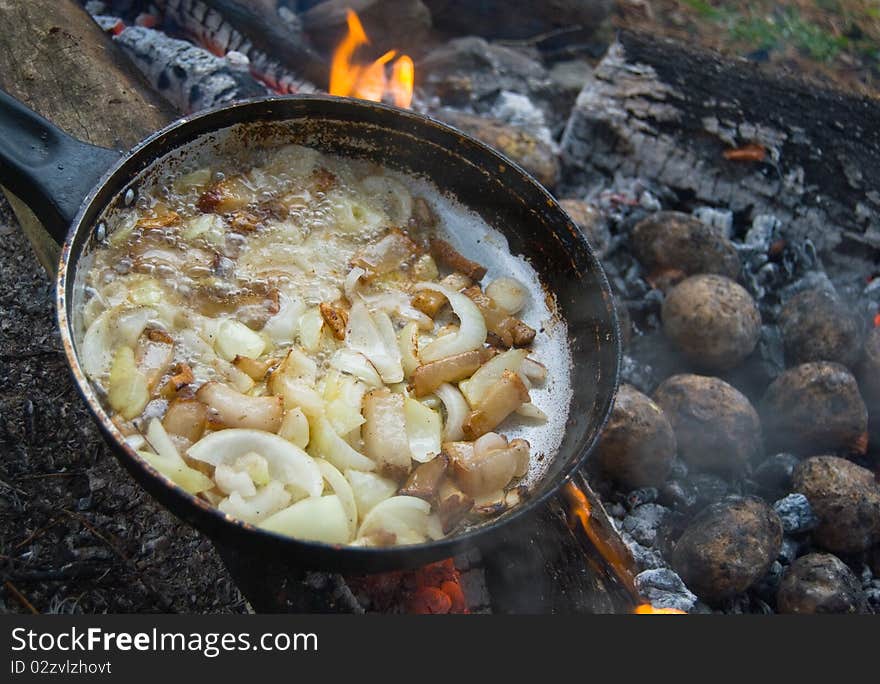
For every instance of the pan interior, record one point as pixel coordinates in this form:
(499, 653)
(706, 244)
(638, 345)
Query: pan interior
(489, 211)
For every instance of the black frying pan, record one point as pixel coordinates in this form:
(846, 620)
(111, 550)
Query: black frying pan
(71, 186)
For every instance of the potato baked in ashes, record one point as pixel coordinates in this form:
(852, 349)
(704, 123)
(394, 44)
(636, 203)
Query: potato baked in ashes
(294, 341)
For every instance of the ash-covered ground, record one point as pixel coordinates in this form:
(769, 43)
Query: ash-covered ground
(77, 535)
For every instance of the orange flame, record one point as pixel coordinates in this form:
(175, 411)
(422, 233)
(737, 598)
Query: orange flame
(648, 609)
(369, 82)
(580, 511)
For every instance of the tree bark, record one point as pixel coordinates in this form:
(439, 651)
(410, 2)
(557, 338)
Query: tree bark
(57, 61)
(666, 113)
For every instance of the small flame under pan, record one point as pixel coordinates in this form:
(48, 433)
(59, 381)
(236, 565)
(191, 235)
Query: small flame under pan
(73, 187)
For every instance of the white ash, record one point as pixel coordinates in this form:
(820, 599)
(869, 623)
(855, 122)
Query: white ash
(663, 588)
(720, 219)
(796, 514)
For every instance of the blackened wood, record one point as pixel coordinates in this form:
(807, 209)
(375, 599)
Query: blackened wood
(667, 113)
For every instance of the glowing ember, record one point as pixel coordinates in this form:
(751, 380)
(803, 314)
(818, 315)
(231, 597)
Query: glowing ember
(648, 609)
(370, 81)
(877, 320)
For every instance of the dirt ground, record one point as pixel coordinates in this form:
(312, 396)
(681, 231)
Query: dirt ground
(76, 533)
(836, 42)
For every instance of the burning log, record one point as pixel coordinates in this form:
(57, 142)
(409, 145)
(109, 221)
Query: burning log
(278, 55)
(651, 109)
(189, 77)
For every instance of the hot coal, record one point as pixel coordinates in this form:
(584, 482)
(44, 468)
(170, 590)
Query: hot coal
(796, 514)
(846, 499)
(820, 583)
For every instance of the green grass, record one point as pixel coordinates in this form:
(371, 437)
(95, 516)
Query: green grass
(788, 27)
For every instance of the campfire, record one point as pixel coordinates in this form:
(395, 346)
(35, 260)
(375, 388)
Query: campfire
(740, 462)
(370, 81)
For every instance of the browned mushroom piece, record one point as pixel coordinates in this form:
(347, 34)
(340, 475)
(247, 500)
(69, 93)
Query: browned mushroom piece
(182, 376)
(424, 481)
(429, 302)
(225, 195)
(504, 397)
(452, 505)
(481, 474)
(162, 219)
(386, 255)
(336, 319)
(228, 408)
(186, 418)
(428, 377)
(507, 330)
(447, 256)
(244, 221)
(384, 433)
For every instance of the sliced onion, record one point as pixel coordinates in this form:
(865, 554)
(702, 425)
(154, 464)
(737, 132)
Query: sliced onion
(472, 328)
(111, 329)
(230, 480)
(320, 519)
(508, 293)
(168, 461)
(284, 325)
(457, 410)
(343, 490)
(295, 427)
(529, 410)
(325, 443)
(488, 442)
(391, 195)
(406, 517)
(288, 464)
(254, 509)
(408, 342)
(356, 364)
(373, 336)
(533, 370)
(423, 430)
(475, 388)
(343, 396)
(352, 280)
(369, 489)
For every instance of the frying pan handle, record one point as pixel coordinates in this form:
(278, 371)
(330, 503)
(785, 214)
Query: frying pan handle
(47, 169)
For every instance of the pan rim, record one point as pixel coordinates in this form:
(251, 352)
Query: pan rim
(199, 511)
